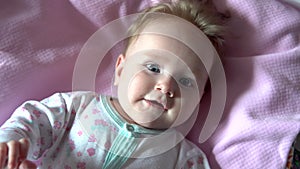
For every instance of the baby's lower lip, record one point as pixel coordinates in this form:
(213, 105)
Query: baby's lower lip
(155, 104)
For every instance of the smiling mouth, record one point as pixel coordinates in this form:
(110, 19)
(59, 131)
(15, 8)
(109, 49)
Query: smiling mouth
(156, 104)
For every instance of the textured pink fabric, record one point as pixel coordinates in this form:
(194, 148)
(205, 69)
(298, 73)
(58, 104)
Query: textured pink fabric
(262, 65)
(40, 41)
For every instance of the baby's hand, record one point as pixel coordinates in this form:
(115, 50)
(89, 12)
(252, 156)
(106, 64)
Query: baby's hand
(13, 154)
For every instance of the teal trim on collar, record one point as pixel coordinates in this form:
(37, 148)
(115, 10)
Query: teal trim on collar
(121, 122)
(127, 139)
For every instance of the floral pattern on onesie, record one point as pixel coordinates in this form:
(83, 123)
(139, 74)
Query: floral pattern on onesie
(75, 131)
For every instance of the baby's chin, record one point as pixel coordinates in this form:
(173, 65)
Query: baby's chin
(161, 122)
(156, 125)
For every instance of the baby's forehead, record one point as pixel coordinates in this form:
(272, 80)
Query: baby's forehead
(174, 29)
(178, 36)
(161, 45)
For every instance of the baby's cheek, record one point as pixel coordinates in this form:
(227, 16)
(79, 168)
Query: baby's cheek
(141, 81)
(191, 100)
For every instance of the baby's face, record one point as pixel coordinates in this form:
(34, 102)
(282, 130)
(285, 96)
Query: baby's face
(160, 82)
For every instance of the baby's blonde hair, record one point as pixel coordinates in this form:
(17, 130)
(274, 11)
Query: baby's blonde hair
(199, 13)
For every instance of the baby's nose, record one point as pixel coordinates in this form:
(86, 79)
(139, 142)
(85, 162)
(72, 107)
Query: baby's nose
(166, 85)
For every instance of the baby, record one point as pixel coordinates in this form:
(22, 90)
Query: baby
(160, 81)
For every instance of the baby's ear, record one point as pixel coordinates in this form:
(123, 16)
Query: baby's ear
(119, 68)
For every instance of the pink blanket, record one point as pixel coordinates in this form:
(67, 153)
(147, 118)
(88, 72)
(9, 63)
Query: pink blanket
(40, 41)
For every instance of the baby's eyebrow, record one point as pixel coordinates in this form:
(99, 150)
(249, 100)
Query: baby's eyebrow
(197, 71)
(155, 53)
(149, 54)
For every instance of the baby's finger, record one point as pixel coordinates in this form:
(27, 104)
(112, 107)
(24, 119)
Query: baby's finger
(13, 153)
(3, 154)
(26, 164)
(24, 146)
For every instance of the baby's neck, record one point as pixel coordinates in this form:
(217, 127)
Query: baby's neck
(115, 103)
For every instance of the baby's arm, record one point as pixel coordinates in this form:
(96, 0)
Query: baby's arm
(42, 123)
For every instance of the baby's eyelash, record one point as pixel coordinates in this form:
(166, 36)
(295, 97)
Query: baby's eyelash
(186, 82)
(153, 67)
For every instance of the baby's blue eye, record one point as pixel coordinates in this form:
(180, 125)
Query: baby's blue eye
(153, 68)
(186, 82)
